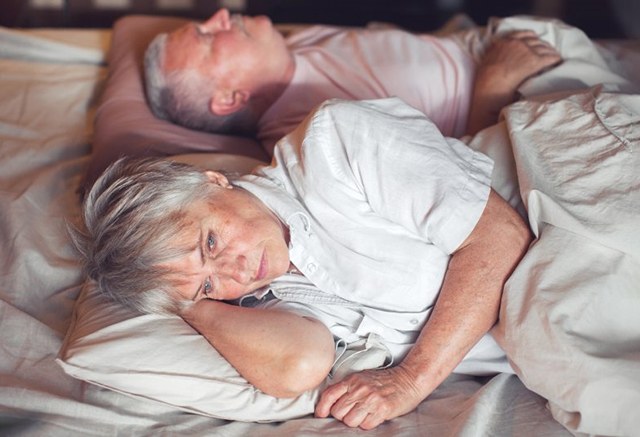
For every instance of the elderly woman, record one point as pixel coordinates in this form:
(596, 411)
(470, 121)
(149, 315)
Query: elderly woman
(368, 224)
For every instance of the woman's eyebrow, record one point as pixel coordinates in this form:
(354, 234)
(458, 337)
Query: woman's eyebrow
(200, 244)
(200, 240)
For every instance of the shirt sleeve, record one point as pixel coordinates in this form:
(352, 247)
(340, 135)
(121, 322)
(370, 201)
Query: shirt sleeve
(386, 158)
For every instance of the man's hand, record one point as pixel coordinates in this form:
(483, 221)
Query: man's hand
(509, 61)
(366, 399)
(513, 58)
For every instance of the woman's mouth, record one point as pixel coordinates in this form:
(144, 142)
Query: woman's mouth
(262, 268)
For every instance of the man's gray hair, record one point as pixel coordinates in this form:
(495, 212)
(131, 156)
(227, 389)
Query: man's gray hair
(183, 96)
(131, 218)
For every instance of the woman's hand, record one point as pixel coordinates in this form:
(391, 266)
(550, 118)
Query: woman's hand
(366, 399)
(466, 308)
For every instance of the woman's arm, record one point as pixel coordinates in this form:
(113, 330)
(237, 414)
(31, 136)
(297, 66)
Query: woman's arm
(509, 61)
(466, 308)
(281, 353)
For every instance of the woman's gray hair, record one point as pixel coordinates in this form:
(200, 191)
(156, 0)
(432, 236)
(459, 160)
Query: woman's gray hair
(183, 96)
(131, 218)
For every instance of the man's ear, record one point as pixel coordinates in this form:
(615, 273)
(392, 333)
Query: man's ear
(227, 102)
(218, 178)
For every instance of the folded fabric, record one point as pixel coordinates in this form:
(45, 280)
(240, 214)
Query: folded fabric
(586, 63)
(569, 318)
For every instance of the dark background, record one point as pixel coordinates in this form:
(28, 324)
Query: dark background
(598, 18)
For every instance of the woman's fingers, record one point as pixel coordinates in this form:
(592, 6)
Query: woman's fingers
(329, 397)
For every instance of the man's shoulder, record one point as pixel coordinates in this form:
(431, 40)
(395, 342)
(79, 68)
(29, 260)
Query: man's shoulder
(309, 35)
(320, 34)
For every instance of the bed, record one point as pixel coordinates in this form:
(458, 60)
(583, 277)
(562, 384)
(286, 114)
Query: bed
(73, 364)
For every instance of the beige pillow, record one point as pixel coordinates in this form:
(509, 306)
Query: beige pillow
(163, 359)
(124, 124)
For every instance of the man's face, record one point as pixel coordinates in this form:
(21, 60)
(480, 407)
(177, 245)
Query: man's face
(236, 244)
(233, 49)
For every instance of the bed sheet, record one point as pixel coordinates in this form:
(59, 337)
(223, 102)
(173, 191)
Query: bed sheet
(49, 82)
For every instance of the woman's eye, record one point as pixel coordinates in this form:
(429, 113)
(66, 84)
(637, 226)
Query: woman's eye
(211, 242)
(207, 287)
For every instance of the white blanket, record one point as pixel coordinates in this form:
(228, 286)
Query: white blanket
(569, 320)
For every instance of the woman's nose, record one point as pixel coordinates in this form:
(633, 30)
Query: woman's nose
(236, 268)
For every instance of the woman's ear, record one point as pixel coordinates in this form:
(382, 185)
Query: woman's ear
(225, 102)
(218, 179)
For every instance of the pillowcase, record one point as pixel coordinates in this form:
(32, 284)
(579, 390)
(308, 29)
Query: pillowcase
(494, 142)
(124, 123)
(163, 359)
(569, 314)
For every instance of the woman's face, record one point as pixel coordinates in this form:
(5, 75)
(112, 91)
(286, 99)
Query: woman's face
(237, 245)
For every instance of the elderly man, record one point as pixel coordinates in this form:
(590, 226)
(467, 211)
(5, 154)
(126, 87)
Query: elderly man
(238, 74)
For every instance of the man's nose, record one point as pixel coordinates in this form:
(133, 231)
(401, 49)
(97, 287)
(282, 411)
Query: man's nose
(217, 22)
(236, 268)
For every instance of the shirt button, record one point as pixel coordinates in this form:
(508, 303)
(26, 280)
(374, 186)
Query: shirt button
(311, 267)
(414, 321)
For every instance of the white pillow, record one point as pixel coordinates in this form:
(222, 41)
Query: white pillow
(494, 142)
(569, 316)
(161, 358)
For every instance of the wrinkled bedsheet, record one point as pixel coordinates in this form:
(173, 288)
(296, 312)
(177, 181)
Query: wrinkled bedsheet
(49, 81)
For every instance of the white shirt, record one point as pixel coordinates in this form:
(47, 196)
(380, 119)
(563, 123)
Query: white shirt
(432, 74)
(376, 200)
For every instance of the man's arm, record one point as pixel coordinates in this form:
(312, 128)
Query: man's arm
(509, 61)
(281, 353)
(465, 310)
